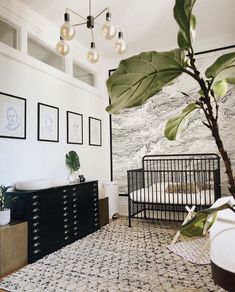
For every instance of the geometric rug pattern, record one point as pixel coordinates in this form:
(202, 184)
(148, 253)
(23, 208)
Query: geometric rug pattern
(115, 258)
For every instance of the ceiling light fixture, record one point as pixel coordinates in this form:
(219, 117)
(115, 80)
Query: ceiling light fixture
(67, 33)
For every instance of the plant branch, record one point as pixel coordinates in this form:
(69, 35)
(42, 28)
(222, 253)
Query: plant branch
(205, 104)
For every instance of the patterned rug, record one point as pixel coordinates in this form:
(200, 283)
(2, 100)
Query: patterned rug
(115, 258)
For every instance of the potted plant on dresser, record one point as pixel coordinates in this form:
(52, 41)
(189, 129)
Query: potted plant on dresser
(73, 163)
(5, 213)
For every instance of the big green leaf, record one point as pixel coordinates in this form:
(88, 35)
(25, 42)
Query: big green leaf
(140, 77)
(72, 160)
(223, 72)
(186, 21)
(222, 65)
(177, 125)
(202, 221)
(220, 88)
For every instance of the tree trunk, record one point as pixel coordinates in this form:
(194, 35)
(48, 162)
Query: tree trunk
(226, 160)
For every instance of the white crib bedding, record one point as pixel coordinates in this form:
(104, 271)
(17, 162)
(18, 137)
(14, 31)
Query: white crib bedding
(159, 195)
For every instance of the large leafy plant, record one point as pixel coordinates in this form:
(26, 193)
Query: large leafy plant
(72, 161)
(3, 198)
(140, 77)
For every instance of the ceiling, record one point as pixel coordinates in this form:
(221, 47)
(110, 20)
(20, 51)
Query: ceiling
(147, 25)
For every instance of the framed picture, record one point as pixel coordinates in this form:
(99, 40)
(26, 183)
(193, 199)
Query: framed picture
(74, 128)
(95, 132)
(12, 116)
(48, 123)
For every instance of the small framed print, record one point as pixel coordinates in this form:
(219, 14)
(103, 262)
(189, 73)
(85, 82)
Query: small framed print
(48, 123)
(74, 128)
(12, 116)
(95, 132)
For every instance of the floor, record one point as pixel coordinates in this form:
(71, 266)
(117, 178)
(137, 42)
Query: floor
(116, 258)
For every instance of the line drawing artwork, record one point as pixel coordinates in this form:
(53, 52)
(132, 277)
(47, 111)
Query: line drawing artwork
(12, 116)
(13, 121)
(74, 128)
(48, 123)
(94, 131)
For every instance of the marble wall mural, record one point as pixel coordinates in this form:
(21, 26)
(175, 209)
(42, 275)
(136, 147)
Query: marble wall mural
(140, 131)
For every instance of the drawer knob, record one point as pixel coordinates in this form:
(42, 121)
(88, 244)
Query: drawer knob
(36, 251)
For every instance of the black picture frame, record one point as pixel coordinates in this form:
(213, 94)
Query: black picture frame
(95, 132)
(48, 123)
(74, 128)
(12, 116)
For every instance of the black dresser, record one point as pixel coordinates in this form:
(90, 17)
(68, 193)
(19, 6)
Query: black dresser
(56, 216)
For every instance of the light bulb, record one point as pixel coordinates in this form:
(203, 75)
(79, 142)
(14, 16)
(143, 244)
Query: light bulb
(120, 45)
(108, 30)
(67, 31)
(92, 55)
(62, 47)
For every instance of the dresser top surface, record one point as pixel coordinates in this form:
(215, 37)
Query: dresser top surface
(53, 188)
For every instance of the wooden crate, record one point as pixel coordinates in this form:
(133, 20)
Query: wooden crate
(13, 247)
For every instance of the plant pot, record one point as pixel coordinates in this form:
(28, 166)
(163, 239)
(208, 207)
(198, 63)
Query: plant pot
(73, 178)
(222, 238)
(5, 217)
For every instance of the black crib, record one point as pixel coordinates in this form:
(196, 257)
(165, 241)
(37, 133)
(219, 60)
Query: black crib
(166, 184)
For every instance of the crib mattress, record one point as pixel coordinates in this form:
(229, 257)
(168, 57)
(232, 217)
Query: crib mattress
(160, 196)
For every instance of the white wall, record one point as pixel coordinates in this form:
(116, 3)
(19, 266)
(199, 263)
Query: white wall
(26, 77)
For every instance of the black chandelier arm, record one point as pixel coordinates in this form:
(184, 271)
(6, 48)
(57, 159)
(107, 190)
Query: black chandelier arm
(68, 9)
(104, 10)
(92, 36)
(77, 24)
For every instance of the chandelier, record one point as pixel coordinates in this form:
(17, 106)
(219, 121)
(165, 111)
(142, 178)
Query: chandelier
(109, 31)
